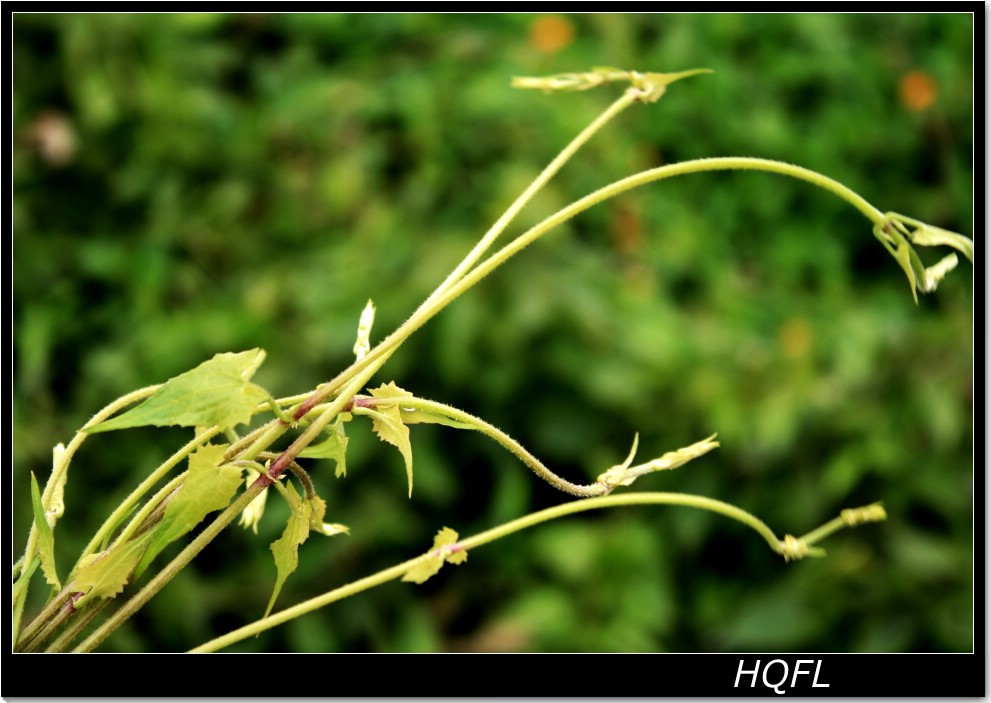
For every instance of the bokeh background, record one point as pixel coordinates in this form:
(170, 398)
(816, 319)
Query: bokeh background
(195, 183)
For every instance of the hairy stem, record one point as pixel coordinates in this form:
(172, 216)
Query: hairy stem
(181, 560)
(57, 477)
(558, 511)
(121, 511)
(384, 350)
(494, 433)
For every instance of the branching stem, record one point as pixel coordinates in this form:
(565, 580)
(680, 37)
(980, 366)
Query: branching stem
(558, 511)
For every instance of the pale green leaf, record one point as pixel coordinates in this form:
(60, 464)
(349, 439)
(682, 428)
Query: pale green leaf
(46, 538)
(252, 515)
(390, 390)
(334, 447)
(616, 475)
(105, 575)
(217, 392)
(362, 343)
(903, 253)
(285, 549)
(388, 425)
(625, 475)
(445, 549)
(929, 236)
(208, 487)
(318, 508)
(413, 416)
(937, 272)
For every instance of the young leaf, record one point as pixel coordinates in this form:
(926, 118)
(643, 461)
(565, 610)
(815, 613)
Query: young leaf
(362, 344)
(413, 416)
(318, 508)
(441, 552)
(105, 575)
(217, 392)
(56, 506)
(285, 549)
(624, 474)
(251, 515)
(46, 538)
(208, 487)
(388, 425)
(334, 447)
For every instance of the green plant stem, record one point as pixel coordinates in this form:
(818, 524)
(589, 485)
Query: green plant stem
(440, 300)
(58, 476)
(558, 511)
(78, 624)
(635, 181)
(494, 433)
(110, 524)
(53, 610)
(227, 516)
(628, 98)
(172, 568)
(384, 349)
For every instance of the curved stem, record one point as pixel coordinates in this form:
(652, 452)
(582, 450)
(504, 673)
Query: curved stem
(623, 102)
(58, 477)
(166, 574)
(650, 176)
(425, 313)
(110, 524)
(494, 433)
(784, 547)
(385, 348)
(232, 511)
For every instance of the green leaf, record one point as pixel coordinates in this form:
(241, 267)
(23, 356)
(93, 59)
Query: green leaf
(105, 575)
(414, 416)
(46, 538)
(930, 236)
(252, 515)
(217, 392)
(441, 551)
(334, 447)
(388, 425)
(318, 508)
(905, 255)
(625, 475)
(208, 487)
(285, 549)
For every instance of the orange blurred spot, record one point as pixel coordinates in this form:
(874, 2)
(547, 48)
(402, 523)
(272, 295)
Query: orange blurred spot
(917, 90)
(550, 33)
(626, 229)
(795, 337)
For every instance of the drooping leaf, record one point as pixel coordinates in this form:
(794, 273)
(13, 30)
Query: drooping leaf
(46, 538)
(217, 392)
(334, 447)
(105, 575)
(439, 553)
(208, 487)
(286, 548)
(388, 425)
(318, 508)
(930, 236)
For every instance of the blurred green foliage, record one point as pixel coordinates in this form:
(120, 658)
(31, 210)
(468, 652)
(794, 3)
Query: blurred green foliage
(195, 183)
